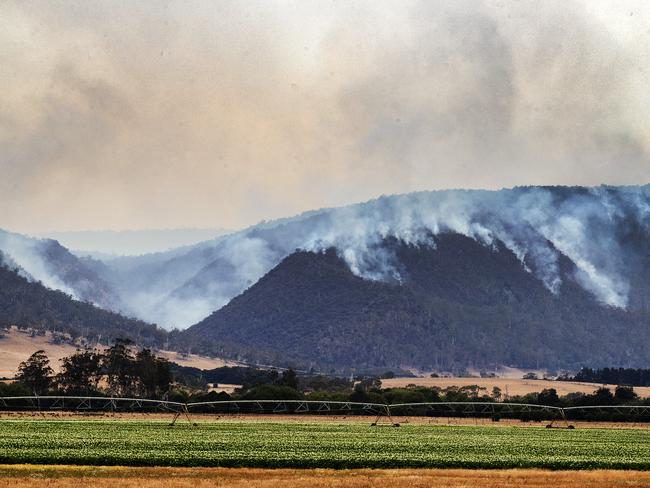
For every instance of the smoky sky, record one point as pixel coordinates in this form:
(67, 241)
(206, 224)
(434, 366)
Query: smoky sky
(125, 115)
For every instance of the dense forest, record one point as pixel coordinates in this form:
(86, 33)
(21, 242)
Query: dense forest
(458, 304)
(612, 376)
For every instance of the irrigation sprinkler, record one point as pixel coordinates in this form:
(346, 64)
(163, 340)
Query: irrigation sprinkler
(184, 412)
(42, 404)
(482, 409)
(317, 407)
(636, 412)
(385, 413)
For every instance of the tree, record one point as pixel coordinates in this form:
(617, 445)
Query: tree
(119, 365)
(153, 374)
(80, 373)
(496, 393)
(603, 396)
(36, 373)
(275, 392)
(624, 394)
(369, 383)
(13, 389)
(548, 396)
(530, 376)
(289, 378)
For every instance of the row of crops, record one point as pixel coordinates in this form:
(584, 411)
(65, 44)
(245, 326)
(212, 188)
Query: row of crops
(318, 444)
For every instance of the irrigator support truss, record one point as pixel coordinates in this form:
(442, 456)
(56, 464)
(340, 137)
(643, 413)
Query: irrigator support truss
(384, 412)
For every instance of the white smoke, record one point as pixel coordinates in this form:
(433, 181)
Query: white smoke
(25, 253)
(537, 225)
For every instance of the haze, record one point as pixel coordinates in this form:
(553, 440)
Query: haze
(129, 115)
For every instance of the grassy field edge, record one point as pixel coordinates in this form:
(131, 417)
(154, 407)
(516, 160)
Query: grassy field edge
(64, 476)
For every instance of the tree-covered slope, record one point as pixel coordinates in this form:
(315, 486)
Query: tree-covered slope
(456, 304)
(30, 304)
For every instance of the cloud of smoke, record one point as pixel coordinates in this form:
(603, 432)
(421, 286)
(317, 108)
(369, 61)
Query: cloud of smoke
(205, 115)
(27, 256)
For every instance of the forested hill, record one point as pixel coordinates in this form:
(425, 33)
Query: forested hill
(456, 304)
(603, 231)
(30, 304)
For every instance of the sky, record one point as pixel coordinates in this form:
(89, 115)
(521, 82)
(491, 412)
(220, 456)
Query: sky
(219, 114)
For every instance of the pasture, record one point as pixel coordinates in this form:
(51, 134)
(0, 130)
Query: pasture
(508, 386)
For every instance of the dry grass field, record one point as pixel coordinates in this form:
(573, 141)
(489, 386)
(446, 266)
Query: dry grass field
(508, 386)
(23, 476)
(17, 346)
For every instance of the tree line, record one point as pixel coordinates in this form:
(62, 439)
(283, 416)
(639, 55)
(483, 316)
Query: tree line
(121, 371)
(117, 371)
(613, 376)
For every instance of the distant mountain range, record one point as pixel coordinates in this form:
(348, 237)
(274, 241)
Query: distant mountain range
(546, 275)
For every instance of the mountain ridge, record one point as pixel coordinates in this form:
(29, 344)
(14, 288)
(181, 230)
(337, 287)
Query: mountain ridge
(312, 311)
(602, 230)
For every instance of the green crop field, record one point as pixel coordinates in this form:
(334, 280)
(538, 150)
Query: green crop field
(349, 445)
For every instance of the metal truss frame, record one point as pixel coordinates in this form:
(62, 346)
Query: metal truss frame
(384, 412)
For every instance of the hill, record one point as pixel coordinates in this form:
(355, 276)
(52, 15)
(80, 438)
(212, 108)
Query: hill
(508, 386)
(47, 261)
(603, 232)
(111, 244)
(456, 303)
(30, 304)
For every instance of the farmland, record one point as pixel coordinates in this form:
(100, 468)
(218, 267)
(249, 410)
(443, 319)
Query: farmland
(318, 445)
(509, 386)
(23, 476)
(17, 345)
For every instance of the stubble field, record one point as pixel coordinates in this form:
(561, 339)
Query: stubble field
(23, 476)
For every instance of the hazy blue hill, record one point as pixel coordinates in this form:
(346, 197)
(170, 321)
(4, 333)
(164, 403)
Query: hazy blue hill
(603, 231)
(47, 261)
(524, 276)
(30, 304)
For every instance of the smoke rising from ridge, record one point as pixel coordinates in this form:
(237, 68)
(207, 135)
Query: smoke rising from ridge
(602, 231)
(589, 226)
(27, 256)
